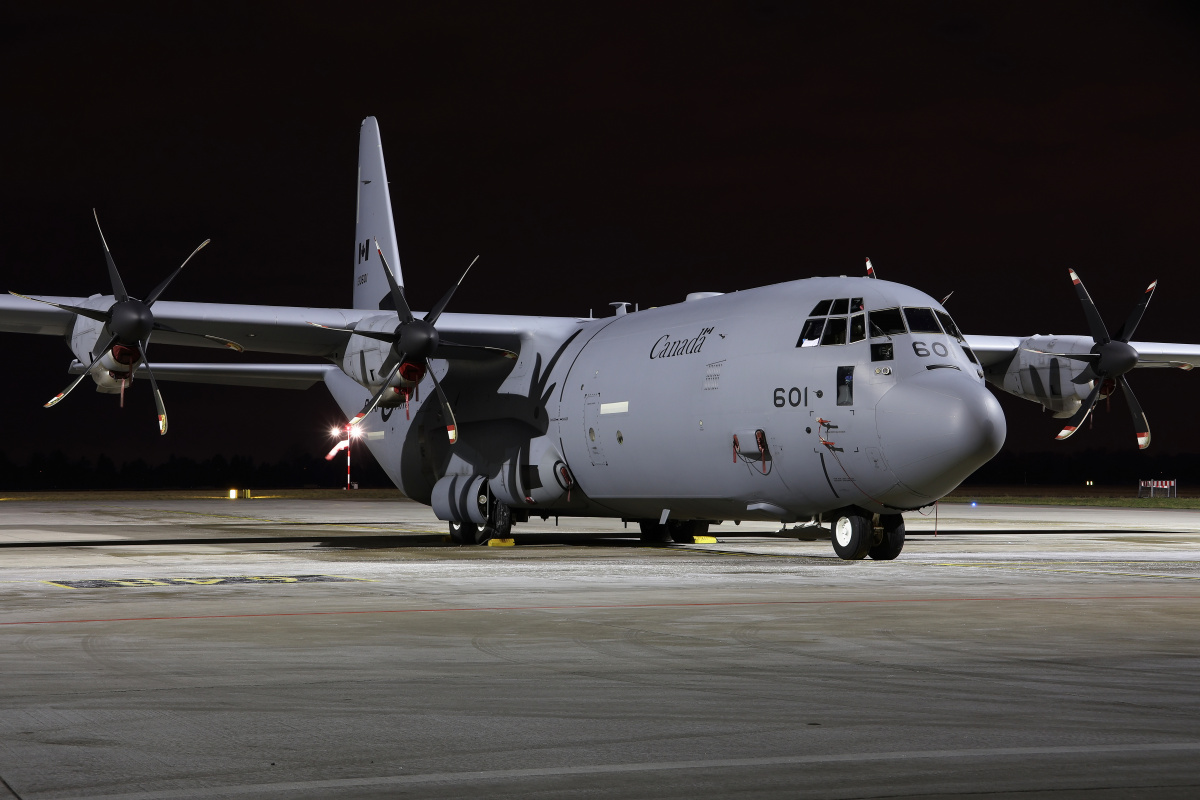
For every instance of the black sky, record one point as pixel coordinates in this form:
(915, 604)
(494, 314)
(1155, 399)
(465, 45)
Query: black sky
(624, 152)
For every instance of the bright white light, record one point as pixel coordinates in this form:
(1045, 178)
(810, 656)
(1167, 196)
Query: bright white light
(335, 432)
(233, 494)
(355, 432)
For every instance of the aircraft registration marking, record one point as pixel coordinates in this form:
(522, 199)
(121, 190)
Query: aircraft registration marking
(141, 583)
(615, 408)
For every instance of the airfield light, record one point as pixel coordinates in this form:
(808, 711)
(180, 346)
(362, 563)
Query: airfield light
(233, 494)
(973, 504)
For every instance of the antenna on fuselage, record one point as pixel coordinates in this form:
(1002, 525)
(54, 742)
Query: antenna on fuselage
(870, 269)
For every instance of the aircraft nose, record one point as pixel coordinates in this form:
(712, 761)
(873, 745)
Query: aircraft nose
(935, 429)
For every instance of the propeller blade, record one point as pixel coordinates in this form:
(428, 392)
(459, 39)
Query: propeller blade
(158, 400)
(447, 411)
(448, 350)
(159, 289)
(115, 277)
(402, 308)
(1095, 323)
(383, 337)
(1141, 426)
(58, 397)
(432, 316)
(1135, 316)
(1075, 421)
(870, 269)
(1088, 374)
(374, 401)
(232, 345)
(90, 313)
(1092, 357)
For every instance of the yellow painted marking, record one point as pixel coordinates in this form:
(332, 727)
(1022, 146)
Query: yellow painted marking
(1022, 568)
(52, 583)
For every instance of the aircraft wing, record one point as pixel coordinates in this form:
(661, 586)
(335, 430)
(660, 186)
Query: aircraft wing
(271, 329)
(993, 349)
(1153, 355)
(269, 376)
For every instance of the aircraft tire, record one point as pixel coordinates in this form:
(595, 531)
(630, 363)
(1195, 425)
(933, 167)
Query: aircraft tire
(852, 536)
(653, 533)
(499, 522)
(686, 532)
(893, 538)
(467, 533)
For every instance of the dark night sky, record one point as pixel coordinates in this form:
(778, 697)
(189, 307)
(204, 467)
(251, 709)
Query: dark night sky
(623, 152)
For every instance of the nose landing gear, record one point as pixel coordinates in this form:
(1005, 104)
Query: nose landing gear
(856, 536)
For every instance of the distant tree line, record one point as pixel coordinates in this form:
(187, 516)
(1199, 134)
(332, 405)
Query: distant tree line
(1074, 468)
(56, 471)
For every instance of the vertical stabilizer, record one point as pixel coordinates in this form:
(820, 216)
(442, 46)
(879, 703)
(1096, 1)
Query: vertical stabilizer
(373, 220)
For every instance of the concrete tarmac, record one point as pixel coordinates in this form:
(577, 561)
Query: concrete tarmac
(317, 649)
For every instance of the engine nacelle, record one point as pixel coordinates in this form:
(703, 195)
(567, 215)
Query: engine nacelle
(1046, 379)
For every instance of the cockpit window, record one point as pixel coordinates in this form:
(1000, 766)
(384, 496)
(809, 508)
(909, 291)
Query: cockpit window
(886, 321)
(840, 306)
(856, 304)
(858, 327)
(811, 335)
(949, 325)
(921, 320)
(835, 331)
(821, 309)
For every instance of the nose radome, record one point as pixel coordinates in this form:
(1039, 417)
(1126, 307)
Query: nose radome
(936, 428)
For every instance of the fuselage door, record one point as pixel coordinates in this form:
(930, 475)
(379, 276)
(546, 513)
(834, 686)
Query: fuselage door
(591, 430)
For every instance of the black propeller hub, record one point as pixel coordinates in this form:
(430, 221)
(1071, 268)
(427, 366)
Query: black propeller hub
(131, 322)
(415, 341)
(1116, 358)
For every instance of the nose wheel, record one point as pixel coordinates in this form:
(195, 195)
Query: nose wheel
(853, 535)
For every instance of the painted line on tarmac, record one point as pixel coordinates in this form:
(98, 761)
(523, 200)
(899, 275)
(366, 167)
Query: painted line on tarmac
(142, 583)
(660, 766)
(1020, 568)
(616, 607)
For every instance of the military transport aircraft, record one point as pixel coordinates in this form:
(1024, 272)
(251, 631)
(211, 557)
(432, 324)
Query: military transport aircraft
(843, 400)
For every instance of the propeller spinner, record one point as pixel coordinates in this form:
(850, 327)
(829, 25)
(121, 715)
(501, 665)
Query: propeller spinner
(129, 323)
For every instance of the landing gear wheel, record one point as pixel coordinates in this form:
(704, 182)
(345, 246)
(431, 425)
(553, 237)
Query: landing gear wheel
(893, 538)
(686, 532)
(499, 522)
(467, 533)
(653, 533)
(852, 535)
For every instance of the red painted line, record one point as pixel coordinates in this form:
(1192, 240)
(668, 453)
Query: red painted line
(617, 606)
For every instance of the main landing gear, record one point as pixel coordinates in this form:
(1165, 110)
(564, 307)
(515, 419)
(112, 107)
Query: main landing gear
(677, 531)
(499, 525)
(856, 535)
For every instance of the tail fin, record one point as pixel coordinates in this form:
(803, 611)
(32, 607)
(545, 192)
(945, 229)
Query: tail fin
(373, 220)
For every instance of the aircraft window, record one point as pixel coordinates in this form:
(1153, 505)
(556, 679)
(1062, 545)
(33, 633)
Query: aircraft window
(949, 325)
(882, 351)
(856, 304)
(845, 386)
(887, 321)
(811, 335)
(821, 308)
(840, 306)
(921, 320)
(835, 331)
(858, 327)
(970, 354)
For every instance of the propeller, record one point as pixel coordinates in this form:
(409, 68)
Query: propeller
(415, 341)
(129, 323)
(1110, 358)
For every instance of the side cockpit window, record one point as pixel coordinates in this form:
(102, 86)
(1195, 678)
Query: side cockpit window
(949, 326)
(858, 327)
(811, 335)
